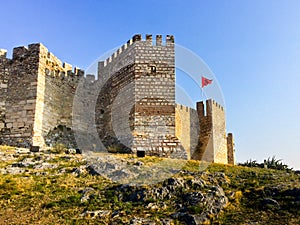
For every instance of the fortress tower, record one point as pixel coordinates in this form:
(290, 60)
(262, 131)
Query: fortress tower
(137, 104)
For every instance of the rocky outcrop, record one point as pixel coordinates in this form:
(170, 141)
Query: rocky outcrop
(193, 199)
(153, 186)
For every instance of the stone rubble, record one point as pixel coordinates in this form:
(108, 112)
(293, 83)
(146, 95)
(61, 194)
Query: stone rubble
(96, 214)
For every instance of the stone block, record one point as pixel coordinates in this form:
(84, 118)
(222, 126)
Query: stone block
(30, 101)
(34, 148)
(140, 153)
(3, 85)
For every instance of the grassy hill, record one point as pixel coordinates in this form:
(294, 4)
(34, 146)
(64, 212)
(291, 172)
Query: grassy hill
(48, 188)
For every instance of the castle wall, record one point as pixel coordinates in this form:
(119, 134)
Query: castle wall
(36, 95)
(3, 86)
(131, 106)
(219, 132)
(187, 128)
(114, 106)
(21, 92)
(115, 99)
(123, 57)
(84, 120)
(57, 88)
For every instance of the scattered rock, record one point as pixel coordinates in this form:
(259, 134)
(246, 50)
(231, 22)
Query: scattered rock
(44, 166)
(79, 170)
(269, 203)
(139, 221)
(70, 151)
(87, 194)
(166, 221)
(155, 206)
(138, 163)
(4, 157)
(22, 150)
(193, 198)
(116, 214)
(12, 170)
(96, 214)
(41, 173)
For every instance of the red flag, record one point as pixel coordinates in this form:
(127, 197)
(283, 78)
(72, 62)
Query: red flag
(205, 81)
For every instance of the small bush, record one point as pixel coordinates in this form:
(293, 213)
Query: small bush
(58, 148)
(271, 163)
(113, 149)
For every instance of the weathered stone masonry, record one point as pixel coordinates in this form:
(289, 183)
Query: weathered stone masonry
(36, 95)
(140, 83)
(133, 108)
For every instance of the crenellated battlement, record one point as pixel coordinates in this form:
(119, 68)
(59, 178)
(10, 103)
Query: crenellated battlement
(183, 108)
(169, 40)
(55, 67)
(38, 53)
(206, 109)
(217, 105)
(211, 117)
(75, 73)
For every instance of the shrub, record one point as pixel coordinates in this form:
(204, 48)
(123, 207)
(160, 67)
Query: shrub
(271, 163)
(58, 148)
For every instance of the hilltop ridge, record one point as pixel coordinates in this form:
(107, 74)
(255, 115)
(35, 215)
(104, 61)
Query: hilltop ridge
(56, 187)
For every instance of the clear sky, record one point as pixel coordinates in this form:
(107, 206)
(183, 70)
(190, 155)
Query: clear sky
(252, 46)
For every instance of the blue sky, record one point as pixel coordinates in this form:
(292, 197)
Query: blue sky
(252, 46)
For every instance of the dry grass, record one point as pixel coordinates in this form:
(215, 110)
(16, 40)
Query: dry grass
(55, 199)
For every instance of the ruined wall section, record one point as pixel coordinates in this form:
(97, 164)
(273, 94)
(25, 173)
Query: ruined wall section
(212, 146)
(20, 75)
(230, 149)
(204, 150)
(187, 128)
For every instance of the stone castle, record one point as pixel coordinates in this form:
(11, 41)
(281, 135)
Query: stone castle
(131, 106)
